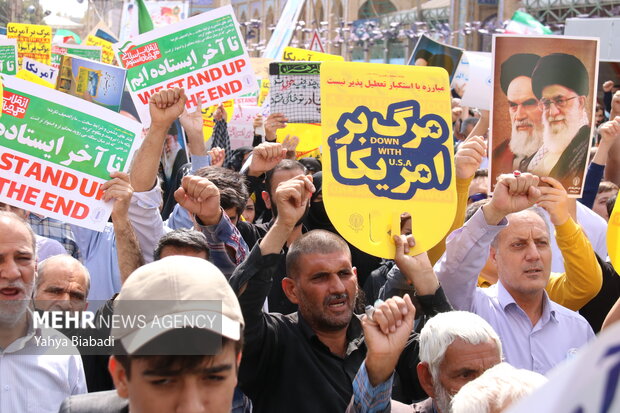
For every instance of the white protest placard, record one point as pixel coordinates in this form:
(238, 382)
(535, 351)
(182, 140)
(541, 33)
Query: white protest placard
(204, 54)
(241, 126)
(478, 90)
(56, 151)
(589, 383)
(40, 70)
(295, 91)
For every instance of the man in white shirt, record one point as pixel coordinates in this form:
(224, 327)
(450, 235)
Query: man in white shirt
(27, 367)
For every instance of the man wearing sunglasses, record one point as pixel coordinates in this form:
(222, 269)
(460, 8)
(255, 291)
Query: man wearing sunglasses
(560, 82)
(525, 114)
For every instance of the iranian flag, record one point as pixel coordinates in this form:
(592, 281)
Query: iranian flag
(523, 23)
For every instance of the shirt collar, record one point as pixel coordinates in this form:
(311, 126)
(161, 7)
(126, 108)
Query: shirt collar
(505, 299)
(355, 334)
(21, 342)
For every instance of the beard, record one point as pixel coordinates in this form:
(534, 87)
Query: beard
(320, 319)
(442, 398)
(558, 135)
(525, 143)
(11, 311)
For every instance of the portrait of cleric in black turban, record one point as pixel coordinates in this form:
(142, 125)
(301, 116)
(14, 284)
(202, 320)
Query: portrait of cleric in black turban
(547, 94)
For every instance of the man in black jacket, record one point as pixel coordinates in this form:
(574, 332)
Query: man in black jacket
(306, 361)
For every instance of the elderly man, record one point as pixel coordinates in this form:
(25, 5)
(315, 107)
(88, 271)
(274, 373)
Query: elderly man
(306, 361)
(525, 113)
(536, 332)
(561, 83)
(455, 348)
(496, 390)
(62, 284)
(27, 365)
(197, 368)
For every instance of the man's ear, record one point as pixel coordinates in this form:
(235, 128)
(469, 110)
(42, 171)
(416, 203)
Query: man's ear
(426, 378)
(266, 199)
(290, 289)
(493, 255)
(119, 377)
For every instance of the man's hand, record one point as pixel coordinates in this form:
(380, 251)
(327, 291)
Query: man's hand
(166, 106)
(118, 189)
(220, 114)
(469, 156)
(200, 197)
(292, 198)
(554, 200)
(615, 105)
(386, 336)
(512, 194)
(274, 122)
(610, 130)
(217, 156)
(192, 123)
(608, 86)
(417, 269)
(265, 157)
(258, 121)
(290, 144)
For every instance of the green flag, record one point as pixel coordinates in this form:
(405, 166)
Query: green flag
(144, 18)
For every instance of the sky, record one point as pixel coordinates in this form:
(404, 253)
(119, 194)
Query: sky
(70, 8)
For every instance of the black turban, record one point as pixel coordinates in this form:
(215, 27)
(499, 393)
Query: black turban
(560, 69)
(520, 64)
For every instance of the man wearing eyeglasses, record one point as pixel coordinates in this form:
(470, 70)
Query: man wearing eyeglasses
(560, 82)
(525, 114)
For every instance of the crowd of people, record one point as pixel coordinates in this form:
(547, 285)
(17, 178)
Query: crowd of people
(309, 323)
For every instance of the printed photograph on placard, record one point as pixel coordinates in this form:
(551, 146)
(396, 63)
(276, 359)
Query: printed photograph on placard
(429, 52)
(542, 118)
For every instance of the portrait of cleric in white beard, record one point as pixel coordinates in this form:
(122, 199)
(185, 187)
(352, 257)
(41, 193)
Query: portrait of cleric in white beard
(561, 84)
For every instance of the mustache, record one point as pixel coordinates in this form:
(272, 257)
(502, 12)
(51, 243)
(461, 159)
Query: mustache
(520, 123)
(335, 297)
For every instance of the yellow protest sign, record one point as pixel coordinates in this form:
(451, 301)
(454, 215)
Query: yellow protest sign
(295, 54)
(107, 53)
(207, 117)
(309, 135)
(33, 40)
(613, 237)
(387, 150)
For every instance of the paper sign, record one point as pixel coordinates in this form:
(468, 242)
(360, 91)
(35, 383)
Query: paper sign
(473, 80)
(294, 54)
(57, 151)
(93, 81)
(204, 54)
(8, 56)
(295, 91)
(387, 150)
(542, 115)
(34, 41)
(241, 126)
(107, 52)
(41, 70)
(429, 52)
(260, 65)
(207, 117)
(87, 52)
(31, 77)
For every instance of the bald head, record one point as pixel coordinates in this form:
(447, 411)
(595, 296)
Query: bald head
(62, 284)
(9, 218)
